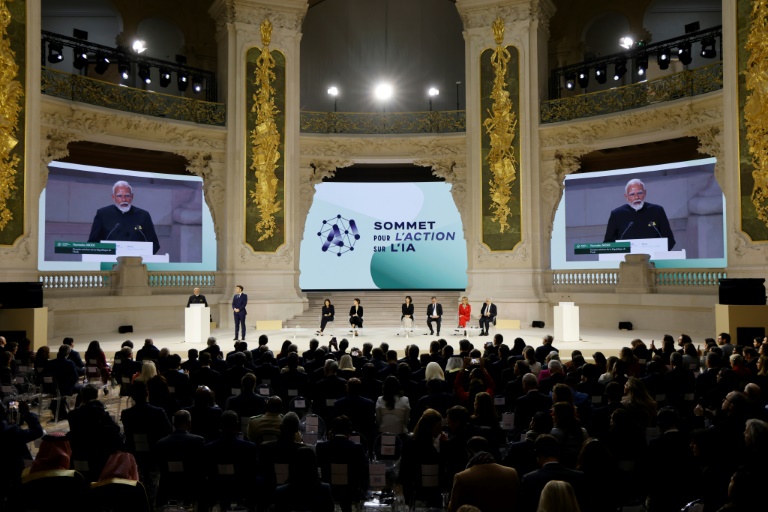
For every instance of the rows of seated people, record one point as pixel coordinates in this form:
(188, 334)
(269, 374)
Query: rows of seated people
(487, 427)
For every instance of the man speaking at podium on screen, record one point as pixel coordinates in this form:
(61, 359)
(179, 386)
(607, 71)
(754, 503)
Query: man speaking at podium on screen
(638, 219)
(123, 221)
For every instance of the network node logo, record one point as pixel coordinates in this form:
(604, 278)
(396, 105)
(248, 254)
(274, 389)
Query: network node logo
(338, 235)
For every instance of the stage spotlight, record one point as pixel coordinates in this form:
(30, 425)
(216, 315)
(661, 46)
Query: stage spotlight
(383, 92)
(102, 63)
(144, 74)
(641, 64)
(333, 91)
(570, 81)
(662, 58)
(197, 84)
(54, 53)
(124, 68)
(708, 49)
(684, 53)
(620, 68)
(182, 81)
(583, 78)
(80, 58)
(139, 46)
(601, 73)
(165, 77)
(626, 42)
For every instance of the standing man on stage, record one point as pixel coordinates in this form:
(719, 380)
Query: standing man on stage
(487, 316)
(434, 314)
(196, 298)
(239, 302)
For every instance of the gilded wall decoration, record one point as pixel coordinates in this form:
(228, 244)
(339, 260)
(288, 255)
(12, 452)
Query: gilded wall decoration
(12, 119)
(265, 146)
(500, 142)
(753, 123)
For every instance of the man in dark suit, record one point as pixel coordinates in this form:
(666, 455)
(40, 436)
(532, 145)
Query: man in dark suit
(148, 351)
(248, 403)
(434, 314)
(230, 465)
(340, 451)
(196, 298)
(179, 457)
(74, 356)
(63, 370)
(547, 455)
(239, 301)
(123, 221)
(543, 350)
(530, 403)
(360, 410)
(487, 316)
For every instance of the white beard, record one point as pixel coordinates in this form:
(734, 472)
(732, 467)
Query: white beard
(638, 205)
(123, 208)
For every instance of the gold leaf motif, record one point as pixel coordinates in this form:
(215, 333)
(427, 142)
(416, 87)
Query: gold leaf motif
(500, 126)
(266, 139)
(11, 93)
(756, 105)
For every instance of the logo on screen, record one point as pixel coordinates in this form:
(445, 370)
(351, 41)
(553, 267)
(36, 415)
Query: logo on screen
(338, 235)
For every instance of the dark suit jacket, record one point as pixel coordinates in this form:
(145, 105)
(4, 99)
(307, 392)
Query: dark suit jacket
(542, 351)
(528, 405)
(407, 310)
(340, 450)
(361, 412)
(197, 299)
(65, 373)
(135, 225)
(148, 420)
(650, 221)
(329, 311)
(240, 303)
(359, 311)
(533, 483)
(74, 356)
(187, 449)
(492, 311)
(148, 352)
(430, 309)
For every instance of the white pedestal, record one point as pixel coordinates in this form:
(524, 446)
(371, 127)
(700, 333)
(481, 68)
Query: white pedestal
(566, 322)
(197, 324)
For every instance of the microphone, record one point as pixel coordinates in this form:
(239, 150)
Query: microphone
(625, 231)
(653, 225)
(113, 230)
(138, 228)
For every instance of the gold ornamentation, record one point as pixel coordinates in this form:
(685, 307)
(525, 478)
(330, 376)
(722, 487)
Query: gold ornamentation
(11, 92)
(756, 107)
(500, 127)
(377, 122)
(266, 139)
(672, 87)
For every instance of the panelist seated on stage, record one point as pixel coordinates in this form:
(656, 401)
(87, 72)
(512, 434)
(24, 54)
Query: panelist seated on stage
(197, 298)
(123, 221)
(637, 218)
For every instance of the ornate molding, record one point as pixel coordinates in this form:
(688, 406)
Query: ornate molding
(227, 12)
(711, 143)
(200, 164)
(311, 175)
(746, 249)
(349, 148)
(483, 18)
(520, 254)
(279, 259)
(565, 162)
(674, 117)
(87, 124)
(543, 10)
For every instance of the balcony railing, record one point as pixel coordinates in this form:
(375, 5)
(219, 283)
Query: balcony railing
(680, 85)
(127, 99)
(384, 122)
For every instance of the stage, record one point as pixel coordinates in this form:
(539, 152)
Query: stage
(607, 341)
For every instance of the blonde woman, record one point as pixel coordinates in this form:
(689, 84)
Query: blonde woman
(148, 370)
(558, 496)
(465, 311)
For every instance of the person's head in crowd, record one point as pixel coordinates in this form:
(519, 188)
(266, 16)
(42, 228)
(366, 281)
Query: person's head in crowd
(413, 351)
(292, 361)
(611, 364)
(433, 371)
(369, 372)
(564, 416)
(289, 426)
(453, 364)
(723, 338)
(636, 393)
(424, 360)
(521, 368)
(429, 426)
(713, 360)
(477, 444)
(139, 391)
(683, 339)
(377, 354)
(457, 417)
(558, 496)
(42, 356)
(465, 346)
(343, 344)
(148, 370)
(390, 391)
(341, 426)
(434, 347)
(435, 386)
(384, 346)
(600, 360)
(667, 419)
(762, 366)
(174, 361)
(354, 386)
(547, 340)
(64, 351)
(66, 341)
(54, 453)
(498, 339)
(403, 372)
(709, 343)
(230, 423)
(626, 355)
(547, 449)
(737, 361)
(668, 343)
(446, 351)
(517, 347)
(238, 359)
(263, 340)
(192, 354)
(367, 349)
(205, 359)
(345, 362)
(391, 356)
(676, 360)
(577, 362)
(485, 408)
(88, 393)
(204, 397)
(274, 404)
(475, 353)
(330, 367)
(594, 456)
(690, 350)
(555, 366)
(182, 421)
(589, 372)
(126, 353)
(756, 438)
(562, 393)
(614, 392)
(735, 403)
(541, 422)
(754, 394)
(529, 382)
(313, 344)
(745, 491)
(248, 383)
(750, 353)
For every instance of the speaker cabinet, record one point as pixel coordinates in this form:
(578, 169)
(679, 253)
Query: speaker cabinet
(625, 326)
(124, 329)
(537, 323)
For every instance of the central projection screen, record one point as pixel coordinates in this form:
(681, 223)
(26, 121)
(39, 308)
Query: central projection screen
(383, 236)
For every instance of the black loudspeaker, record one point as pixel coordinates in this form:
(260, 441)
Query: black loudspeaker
(537, 323)
(625, 326)
(742, 292)
(124, 329)
(745, 335)
(21, 295)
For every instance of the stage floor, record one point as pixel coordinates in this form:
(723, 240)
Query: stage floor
(607, 341)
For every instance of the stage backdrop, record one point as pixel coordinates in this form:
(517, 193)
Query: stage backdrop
(383, 236)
